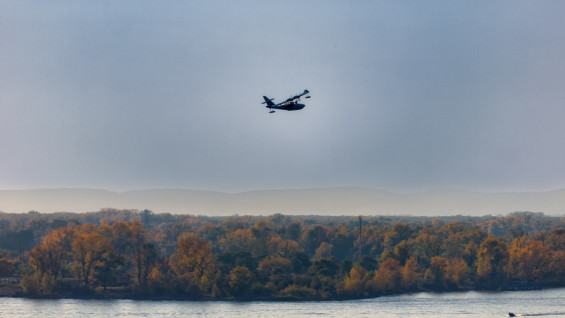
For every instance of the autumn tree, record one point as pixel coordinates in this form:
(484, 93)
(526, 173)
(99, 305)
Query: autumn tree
(436, 274)
(529, 261)
(143, 254)
(167, 234)
(275, 269)
(90, 250)
(262, 233)
(388, 277)
(323, 251)
(105, 272)
(492, 259)
(459, 273)
(240, 281)
(193, 262)
(401, 252)
(428, 246)
(239, 240)
(369, 263)
(46, 262)
(411, 275)
(130, 240)
(354, 283)
(556, 240)
(398, 233)
(286, 248)
(557, 268)
(313, 257)
(324, 274)
(313, 237)
(47, 258)
(372, 241)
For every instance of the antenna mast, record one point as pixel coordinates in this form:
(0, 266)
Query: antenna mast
(360, 236)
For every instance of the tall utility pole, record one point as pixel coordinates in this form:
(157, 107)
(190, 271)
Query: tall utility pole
(360, 236)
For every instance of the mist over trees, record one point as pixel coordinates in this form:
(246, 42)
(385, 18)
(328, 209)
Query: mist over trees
(141, 254)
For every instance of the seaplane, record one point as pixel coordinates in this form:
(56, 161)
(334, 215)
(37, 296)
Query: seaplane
(292, 103)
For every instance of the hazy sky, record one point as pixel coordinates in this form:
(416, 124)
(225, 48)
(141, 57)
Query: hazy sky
(406, 95)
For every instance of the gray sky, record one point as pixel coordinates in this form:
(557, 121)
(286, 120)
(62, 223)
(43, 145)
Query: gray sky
(406, 95)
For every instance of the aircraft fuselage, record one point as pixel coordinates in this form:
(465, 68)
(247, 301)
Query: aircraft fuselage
(289, 107)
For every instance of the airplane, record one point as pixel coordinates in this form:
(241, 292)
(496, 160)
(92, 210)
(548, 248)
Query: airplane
(289, 104)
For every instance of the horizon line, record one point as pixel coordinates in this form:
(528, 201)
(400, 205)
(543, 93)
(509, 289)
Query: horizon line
(433, 189)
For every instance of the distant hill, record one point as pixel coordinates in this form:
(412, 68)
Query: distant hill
(322, 201)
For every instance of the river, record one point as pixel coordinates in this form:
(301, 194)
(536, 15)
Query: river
(541, 303)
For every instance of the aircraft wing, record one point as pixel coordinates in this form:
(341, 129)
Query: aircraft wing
(300, 95)
(296, 97)
(282, 103)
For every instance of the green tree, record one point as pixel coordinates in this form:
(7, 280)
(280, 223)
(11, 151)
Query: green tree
(6, 267)
(276, 270)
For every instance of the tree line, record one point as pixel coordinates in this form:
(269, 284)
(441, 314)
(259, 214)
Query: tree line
(127, 253)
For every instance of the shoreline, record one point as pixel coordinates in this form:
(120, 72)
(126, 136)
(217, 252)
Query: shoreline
(121, 296)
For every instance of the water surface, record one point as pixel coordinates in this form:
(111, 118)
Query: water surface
(541, 303)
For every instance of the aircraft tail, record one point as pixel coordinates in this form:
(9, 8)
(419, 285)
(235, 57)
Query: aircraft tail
(268, 101)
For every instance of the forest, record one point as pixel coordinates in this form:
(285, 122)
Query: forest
(145, 255)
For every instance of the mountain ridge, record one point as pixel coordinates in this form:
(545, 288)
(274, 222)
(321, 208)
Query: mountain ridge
(322, 201)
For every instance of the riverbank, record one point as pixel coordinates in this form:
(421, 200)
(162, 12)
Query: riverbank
(124, 293)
